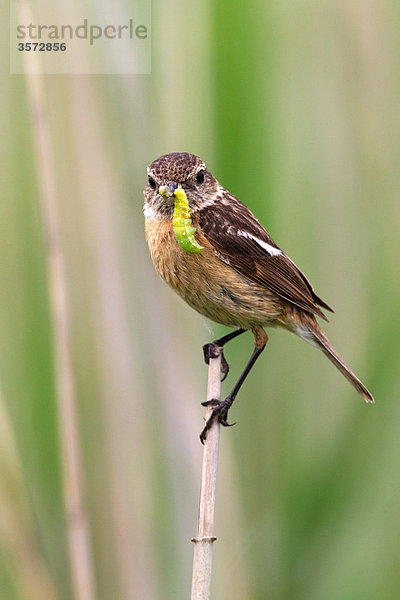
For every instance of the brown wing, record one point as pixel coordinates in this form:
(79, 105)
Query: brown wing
(240, 239)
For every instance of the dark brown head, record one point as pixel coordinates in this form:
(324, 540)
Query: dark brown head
(171, 170)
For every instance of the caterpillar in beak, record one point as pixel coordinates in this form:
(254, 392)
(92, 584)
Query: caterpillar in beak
(184, 232)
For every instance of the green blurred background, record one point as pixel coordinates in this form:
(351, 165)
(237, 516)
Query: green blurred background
(295, 108)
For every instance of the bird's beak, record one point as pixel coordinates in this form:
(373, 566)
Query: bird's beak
(166, 191)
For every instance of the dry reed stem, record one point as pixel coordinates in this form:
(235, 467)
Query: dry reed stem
(79, 546)
(203, 542)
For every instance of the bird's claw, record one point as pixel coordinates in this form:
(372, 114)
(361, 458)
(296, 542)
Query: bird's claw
(224, 366)
(211, 350)
(219, 413)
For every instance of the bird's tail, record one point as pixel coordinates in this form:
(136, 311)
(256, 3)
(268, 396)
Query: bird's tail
(318, 338)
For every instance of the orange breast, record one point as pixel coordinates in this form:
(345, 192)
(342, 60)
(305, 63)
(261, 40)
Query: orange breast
(208, 284)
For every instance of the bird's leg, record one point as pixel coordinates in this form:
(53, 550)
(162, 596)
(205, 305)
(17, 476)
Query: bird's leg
(208, 350)
(220, 411)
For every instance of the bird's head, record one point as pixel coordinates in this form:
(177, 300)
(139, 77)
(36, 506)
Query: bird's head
(168, 172)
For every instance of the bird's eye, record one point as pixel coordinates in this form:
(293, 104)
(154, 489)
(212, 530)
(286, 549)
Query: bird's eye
(200, 176)
(152, 183)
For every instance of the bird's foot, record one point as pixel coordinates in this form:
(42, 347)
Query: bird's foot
(219, 413)
(211, 350)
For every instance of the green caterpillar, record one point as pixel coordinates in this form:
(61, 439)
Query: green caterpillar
(183, 225)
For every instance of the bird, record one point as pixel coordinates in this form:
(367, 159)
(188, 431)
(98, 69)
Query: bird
(210, 248)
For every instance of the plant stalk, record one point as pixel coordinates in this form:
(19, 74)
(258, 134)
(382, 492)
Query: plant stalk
(79, 543)
(203, 542)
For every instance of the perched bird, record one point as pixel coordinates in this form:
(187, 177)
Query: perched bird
(211, 249)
